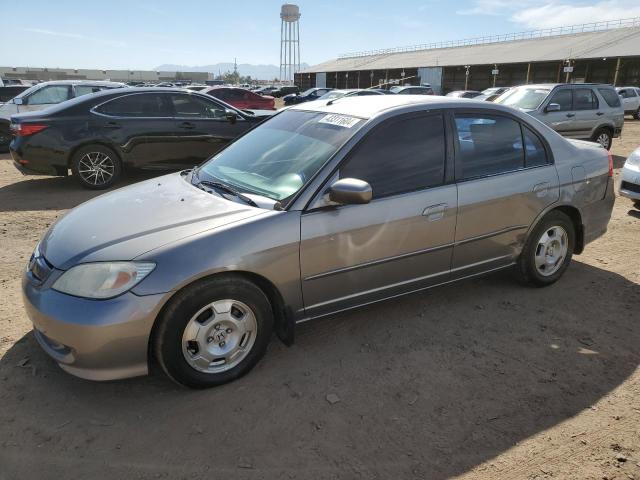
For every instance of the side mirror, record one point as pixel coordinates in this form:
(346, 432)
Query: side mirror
(231, 116)
(17, 101)
(348, 191)
(552, 107)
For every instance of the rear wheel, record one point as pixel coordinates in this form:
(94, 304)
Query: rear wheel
(636, 115)
(636, 204)
(548, 250)
(213, 332)
(603, 137)
(96, 167)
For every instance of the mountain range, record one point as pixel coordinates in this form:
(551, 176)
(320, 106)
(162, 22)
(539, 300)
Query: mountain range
(259, 72)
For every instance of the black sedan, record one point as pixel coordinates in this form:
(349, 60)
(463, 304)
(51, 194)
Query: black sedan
(98, 136)
(306, 96)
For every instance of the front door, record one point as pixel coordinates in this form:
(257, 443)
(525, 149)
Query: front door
(399, 242)
(562, 121)
(505, 180)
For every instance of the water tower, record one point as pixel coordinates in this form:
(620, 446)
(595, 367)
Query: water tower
(289, 41)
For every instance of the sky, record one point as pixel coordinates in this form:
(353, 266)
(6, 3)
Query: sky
(143, 34)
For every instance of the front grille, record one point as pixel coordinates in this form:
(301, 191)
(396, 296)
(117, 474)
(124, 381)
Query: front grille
(40, 268)
(632, 187)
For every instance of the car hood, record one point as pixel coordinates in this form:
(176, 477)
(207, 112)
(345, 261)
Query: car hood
(125, 223)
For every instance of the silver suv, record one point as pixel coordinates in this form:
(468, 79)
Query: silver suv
(630, 97)
(583, 111)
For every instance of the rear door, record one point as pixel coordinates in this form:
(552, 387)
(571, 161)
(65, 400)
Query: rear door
(505, 178)
(402, 240)
(562, 121)
(586, 108)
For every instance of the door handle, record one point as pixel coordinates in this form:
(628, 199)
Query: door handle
(569, 115)
(113, 125)
(187, 125)
(434, 212)
(541, 189)
(599, 113)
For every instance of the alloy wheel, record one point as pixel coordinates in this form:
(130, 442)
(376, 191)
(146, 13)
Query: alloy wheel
(96, 168)
(604, 140)
(219, 336)
(551, 250)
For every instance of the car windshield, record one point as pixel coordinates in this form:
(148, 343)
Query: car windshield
(490, 91)
(524, 98)
(332, 95)
(307, 92)
(395, 89)
(278, 157)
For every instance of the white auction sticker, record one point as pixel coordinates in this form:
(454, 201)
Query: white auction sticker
(339, 120)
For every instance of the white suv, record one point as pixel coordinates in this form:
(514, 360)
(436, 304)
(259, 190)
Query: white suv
(630, 97)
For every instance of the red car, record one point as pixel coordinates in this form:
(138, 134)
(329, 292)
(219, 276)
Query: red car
(241, 98)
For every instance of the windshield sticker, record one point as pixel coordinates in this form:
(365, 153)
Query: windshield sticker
(339, 120)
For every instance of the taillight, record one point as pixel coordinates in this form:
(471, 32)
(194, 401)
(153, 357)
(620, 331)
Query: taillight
(610, 164)
(26, 129)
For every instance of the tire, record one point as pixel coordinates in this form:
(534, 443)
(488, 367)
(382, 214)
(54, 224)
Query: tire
(636, 114)
(636, 203)
(189, 345)
(96, 167)
(604, 137)
(529, 268)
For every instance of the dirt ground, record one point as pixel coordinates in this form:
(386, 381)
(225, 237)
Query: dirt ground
(485, 379)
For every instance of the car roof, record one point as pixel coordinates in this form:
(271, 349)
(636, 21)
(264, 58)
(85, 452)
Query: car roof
(372, 105)
(80, 82)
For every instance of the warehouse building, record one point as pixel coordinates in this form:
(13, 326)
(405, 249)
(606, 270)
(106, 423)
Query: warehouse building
(46, 74)
(604, 52)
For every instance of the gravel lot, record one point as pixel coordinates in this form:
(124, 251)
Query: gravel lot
(484, 379)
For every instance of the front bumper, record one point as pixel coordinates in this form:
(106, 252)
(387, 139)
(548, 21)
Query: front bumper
(630, 182)
(92, 339)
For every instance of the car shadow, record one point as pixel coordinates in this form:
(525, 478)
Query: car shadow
(58, 193)
(427, 386)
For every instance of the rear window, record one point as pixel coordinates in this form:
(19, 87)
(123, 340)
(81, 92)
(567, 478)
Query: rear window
(610, 96)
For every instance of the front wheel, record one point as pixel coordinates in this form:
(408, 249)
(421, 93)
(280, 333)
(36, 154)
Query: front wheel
(603, 137)
(636, 114)
(548, 250)
(213, 332)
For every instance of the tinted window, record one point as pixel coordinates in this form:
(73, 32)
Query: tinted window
(400, 156)
(630, 93)
(48, 95)
(535, 154)
(562, 98)
(195, 107)
(584, 99)
(488, 145)
(610, 96)
(139, 105)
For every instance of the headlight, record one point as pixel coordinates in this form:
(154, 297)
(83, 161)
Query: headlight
(634, 158)
(102, 280)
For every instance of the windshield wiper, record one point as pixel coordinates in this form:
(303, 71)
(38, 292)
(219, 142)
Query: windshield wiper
(227, 189)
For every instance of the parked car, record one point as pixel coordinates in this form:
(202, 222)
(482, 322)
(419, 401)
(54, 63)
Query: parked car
(241, 98)
(196, 88)
(285, 90)
(581, 110)
(490, 94)
(630, 97)
(8, 92)
(416, 90)
(630, 178)
(463, 94)
(100, 135)
(265, 90)
(384, 91)
(353, 92)
(306, 96)
(319, 209)
(43, 95)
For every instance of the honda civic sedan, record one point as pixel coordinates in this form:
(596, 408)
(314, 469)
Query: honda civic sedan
(320, 209)
(98, 136)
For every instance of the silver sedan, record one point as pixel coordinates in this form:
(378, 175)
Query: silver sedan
(322, 208)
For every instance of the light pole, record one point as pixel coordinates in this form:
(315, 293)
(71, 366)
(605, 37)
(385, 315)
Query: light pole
(466, 76)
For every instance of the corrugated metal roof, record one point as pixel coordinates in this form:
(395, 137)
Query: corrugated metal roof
(621, 42)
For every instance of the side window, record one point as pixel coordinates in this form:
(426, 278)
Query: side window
(534, 152)
(49, 95)
(136, 105)
(610, 96)
(80, 90)
(584, 99)
(488, 145)
(400, 156)
(623, 93)
(631, 93)
(562, 98)
(187, 106)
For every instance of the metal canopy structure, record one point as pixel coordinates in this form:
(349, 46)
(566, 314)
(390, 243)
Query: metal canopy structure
(620, 38)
